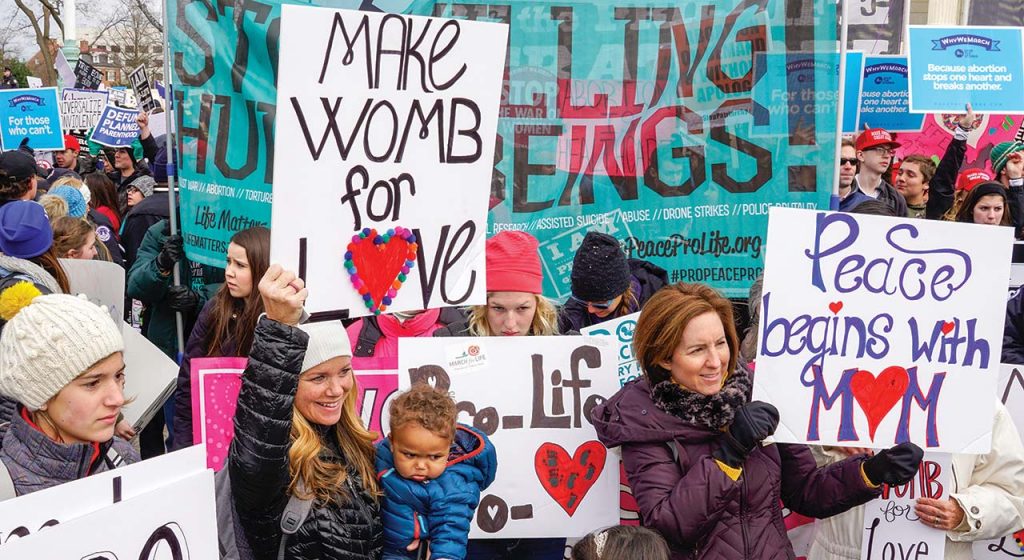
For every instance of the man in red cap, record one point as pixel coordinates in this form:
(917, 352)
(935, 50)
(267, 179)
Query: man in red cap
(875, 150)
(66, 160)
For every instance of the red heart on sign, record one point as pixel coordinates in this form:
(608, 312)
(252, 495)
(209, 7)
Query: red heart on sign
(835, 307)
(877, 396)
(378, 264)
(568, 479)
(947, 327)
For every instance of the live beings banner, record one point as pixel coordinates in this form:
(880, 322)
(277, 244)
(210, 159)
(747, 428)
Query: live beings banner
(876, 331)
(951, 66)
(411, 145)
(533, 396)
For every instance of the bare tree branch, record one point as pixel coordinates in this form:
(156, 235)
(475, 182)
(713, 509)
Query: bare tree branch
(154, 21)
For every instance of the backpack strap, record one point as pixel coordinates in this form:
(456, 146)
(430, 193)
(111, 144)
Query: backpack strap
(7, 490)
(295, 513)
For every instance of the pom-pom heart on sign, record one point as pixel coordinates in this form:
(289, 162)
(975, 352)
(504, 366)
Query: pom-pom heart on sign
(379, 264)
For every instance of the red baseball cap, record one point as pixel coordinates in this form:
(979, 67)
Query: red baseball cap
(873, 137)
(71, 143)
(970, 178)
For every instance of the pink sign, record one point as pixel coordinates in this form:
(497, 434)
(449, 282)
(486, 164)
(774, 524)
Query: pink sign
(217, 381)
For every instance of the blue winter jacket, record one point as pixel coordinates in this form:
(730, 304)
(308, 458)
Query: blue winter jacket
(439, 511)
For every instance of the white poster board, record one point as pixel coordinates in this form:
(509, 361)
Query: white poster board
(620, 331)
(102, 281)
(80, 109)
(892, 528)
(1011, 393)
(534, 395)
(177, 521)
(29, 514)
(34, 82)
(150, 377)
(877, 330)
(408, 147)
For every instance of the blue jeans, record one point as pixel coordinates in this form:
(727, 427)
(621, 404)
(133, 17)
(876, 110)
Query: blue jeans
(516, 549)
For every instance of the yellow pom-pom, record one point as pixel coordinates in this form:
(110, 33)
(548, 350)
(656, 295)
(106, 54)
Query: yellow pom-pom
(17, 296)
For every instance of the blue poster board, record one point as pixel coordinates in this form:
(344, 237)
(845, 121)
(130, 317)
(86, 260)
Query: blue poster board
(116, 127)
(952, 66)
(33, 114)
(884, 96)
(851, 89)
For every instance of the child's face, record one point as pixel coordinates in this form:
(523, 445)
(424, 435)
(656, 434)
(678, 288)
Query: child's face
(419, 453)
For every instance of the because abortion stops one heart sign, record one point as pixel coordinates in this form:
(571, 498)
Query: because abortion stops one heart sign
(876, 330)
(383, 155)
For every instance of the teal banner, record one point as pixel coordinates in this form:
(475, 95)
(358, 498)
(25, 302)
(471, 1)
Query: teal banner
(224, 76)
(659, 123)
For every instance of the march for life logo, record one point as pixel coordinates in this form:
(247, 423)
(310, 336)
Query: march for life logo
(876, 331)
(465, 357)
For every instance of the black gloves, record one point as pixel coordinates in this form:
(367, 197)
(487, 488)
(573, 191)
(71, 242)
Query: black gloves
(753, 422)
(894, 466)
(171, 252)
(181, 298)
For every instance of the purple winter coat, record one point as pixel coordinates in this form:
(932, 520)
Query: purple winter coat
(684, 495)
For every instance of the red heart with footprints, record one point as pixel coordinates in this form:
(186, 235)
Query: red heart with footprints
(947, 327)
(568, 479)
(877, 396)
(835, 307)
(378, 264)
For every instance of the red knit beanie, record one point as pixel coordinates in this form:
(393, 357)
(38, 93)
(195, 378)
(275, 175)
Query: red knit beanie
(513, 263)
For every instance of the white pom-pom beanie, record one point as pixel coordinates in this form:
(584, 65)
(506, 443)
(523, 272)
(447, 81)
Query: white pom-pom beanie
(326, 340)
(50, 342)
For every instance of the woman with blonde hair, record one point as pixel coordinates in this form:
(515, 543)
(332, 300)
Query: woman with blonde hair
(298, 432)
(55, 206)
(515, 306)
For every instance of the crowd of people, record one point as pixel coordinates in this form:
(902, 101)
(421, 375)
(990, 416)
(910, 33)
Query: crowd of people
(693, 441)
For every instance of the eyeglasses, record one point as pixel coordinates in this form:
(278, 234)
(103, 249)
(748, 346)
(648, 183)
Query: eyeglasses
(602, 305)
(848, 161)
(882, 150)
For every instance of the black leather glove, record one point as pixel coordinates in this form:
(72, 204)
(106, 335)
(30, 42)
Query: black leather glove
(171, 251)
(753, 422)
(894, 466)
(181, 298)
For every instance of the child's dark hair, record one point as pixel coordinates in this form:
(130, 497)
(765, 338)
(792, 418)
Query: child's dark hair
(621, 542)
(427, 406)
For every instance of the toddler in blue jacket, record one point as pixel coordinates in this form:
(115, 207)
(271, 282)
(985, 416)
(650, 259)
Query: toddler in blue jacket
(432, 470)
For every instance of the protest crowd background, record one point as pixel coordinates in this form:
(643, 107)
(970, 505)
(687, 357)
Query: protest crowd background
(266, 277)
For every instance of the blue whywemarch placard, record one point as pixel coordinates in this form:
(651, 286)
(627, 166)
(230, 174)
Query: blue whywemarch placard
(851, 89)
(33, 114)
(884, 96)
(116, 127)
(951, 66)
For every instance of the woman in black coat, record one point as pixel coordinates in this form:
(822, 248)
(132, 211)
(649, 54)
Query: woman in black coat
(298, 432)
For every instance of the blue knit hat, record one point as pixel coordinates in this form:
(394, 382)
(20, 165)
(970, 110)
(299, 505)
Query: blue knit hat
(76, 202)
(24, 229)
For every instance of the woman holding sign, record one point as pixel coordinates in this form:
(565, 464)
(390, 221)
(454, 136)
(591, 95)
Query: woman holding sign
(693, 442)
(61, 360)
(298, 436)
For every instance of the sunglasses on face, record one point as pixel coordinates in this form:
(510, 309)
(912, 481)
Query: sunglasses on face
(602, 305)
(848, 161)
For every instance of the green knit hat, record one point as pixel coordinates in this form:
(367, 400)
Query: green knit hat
(1001, 153)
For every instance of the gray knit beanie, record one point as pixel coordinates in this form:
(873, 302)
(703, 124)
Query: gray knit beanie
(326, 340)
(50, 342)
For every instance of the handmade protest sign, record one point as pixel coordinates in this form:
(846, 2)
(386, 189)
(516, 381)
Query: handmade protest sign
(40, 511)
(885, 95)
(555, 479)
(34, 82)
(139, 80)
(620, 330)
(952, 66)
(176, 521)
(404, 226)
(116, 127)
(892, 529)
(377, 379)
(87, 76)
(31, 114)
(80, 109)
(215, 386)
(150, 377)
(876, 330)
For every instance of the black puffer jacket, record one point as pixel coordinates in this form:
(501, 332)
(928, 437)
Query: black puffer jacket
(259, 462)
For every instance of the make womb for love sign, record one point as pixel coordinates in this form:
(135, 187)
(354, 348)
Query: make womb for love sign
(877, 330)
(532, 396)
(383, 157)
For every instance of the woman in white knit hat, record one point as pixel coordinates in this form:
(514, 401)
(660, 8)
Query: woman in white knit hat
(61, 359)
(298, 432)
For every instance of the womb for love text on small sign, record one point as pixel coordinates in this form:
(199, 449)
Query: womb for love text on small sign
(876, 331)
